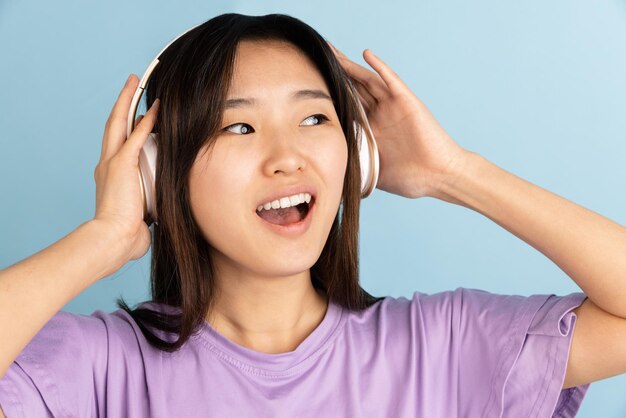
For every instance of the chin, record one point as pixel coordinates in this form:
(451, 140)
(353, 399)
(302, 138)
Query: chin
(280, 266)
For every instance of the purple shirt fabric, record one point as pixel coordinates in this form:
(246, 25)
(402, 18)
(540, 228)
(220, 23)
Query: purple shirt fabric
(461, 353)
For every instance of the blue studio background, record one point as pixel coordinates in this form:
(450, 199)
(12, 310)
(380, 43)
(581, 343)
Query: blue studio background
(538, 88)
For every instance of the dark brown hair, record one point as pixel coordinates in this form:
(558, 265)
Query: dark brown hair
(191, 81)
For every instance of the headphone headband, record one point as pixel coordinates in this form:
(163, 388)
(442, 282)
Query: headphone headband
(144, 80)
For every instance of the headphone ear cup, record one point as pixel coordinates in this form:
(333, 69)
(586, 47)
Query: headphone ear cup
(364, 157)
(366, 143)
(368, 158)
(147, 170)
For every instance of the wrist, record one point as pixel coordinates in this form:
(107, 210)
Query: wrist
(449, 185)
(109, 242)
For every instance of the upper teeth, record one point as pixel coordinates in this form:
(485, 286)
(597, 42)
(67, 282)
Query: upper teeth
(285, 202)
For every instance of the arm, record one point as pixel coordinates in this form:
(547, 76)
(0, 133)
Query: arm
(591, 249)
(36, 288)
(588, 247)
(418, 158)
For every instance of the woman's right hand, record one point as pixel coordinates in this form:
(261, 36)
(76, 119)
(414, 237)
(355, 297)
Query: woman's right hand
(119, 201)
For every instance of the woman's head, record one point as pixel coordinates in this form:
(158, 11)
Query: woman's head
(279, 129)
(217, 163)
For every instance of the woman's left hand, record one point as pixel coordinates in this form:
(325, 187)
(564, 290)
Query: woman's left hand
(416, 153)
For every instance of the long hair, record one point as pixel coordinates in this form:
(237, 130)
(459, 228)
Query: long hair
(191, 81)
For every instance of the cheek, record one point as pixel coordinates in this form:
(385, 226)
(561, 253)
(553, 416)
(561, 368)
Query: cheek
(218, 193)
(334, 158)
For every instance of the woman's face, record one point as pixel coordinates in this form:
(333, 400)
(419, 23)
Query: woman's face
(267, 143)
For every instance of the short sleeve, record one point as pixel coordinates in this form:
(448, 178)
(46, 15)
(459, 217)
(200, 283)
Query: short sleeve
(513, 353)
(59, 372)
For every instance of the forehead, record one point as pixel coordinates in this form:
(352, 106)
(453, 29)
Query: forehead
(268, 65)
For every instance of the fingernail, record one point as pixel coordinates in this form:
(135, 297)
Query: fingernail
(128, 80)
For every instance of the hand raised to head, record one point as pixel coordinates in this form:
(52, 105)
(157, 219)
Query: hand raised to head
(416, 153)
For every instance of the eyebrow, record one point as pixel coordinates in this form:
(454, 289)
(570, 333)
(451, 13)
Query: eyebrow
(296, 95)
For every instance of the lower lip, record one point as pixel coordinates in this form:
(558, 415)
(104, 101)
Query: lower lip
(294, 229)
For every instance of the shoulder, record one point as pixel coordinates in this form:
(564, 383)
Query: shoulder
(467, 306)
(451, 307)
(493, 348)
(67, 366)
(464, 306)
(69, 337)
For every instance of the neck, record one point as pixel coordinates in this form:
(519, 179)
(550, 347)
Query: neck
(266, 314)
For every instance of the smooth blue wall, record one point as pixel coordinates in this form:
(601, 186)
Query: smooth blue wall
(537, 87)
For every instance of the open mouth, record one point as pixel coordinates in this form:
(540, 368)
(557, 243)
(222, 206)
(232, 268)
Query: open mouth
(287, 216)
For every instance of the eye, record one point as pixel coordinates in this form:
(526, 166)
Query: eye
(246, 129)
(319, 117)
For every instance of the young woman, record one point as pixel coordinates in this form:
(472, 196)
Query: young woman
(256, 307)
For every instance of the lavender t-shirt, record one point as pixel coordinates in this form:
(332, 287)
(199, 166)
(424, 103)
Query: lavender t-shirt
(462, 353)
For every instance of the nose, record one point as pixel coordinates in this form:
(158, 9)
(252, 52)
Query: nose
(283, 154)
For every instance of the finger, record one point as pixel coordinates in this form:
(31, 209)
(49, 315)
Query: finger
(138, 137)
(391, 79)
(115, 128)
(372, 81)
(368, 79)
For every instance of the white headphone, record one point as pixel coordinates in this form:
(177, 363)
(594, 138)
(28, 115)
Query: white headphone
(368, 155)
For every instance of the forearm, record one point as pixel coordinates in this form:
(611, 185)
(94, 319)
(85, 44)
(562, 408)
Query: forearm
(588, 247)
(36, 288)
